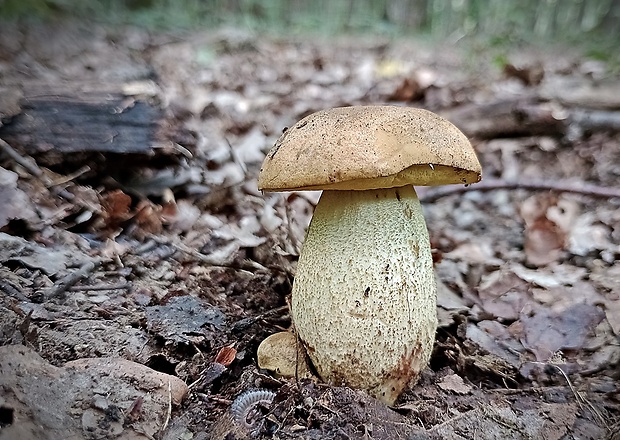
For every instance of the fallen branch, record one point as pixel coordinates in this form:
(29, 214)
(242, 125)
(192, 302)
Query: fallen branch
(430, 195)
(523, 116)
(529, 116)
(27, 162)
(70, 280)
(7, 288)
(99, 287)
(65, 179)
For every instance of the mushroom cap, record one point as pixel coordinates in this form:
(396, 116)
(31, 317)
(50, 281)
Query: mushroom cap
(281, 354)
(369, 147)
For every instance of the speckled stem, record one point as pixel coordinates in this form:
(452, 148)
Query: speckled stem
(364, 296)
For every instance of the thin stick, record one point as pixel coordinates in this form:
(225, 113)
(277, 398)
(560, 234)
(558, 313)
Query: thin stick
(245, 265)
(236, 159)
(220, 400)
(12, 291)
(580, 399)
(71, 279)
(27, 162)
(169, 411)
(68, 178)
(289, 228)
(433, 194)
(98, 287)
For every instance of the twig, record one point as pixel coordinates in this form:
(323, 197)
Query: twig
(169, 411)
(539, 390)
(244, 323)
(12, 291)
(220, 400)
(27, 162)
(146, 247)
(71, 279)
(68, 178)
(580, 399)
(236, 159)
(433, 194)
(223, 259)
(289, 228)
(98, 287)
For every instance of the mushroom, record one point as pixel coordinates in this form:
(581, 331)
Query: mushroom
(281, 355)
(364, 294)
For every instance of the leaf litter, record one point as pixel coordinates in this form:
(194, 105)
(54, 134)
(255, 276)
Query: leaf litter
(193, 261)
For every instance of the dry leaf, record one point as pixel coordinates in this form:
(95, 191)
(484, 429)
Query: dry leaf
(545, 332)
(116, 207)
(454, 383)
(503, 294)
(612, 312)
(148, 217)
(530, 75)
(226, 356)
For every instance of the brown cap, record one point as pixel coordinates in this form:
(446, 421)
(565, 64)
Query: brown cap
(369, 147)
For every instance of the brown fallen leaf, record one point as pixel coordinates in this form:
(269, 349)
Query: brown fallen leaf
(504, 294)
(530, 75)
(226, 356)
(408, 90)
(544, 242)
(116, 208)
(148, 217)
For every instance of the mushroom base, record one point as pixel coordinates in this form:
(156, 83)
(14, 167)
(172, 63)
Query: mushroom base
(364, 296)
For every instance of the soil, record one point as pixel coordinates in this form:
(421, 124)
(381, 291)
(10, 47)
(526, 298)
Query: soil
(140, 275)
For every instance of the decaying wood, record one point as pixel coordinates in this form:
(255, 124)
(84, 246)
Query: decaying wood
(529, 117)
(581, 120)
(83, 121)
(506, 118)
(59, 289)
(580, 93)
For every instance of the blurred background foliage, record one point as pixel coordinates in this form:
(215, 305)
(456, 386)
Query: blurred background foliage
(497, 21)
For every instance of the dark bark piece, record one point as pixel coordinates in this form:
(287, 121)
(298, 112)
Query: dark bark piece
(95, 121)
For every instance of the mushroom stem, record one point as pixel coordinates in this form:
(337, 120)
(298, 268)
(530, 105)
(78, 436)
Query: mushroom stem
(364, 296)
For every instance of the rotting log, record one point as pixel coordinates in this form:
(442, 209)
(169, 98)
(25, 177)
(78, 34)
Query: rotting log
(529, 117)
(506, 118)
(79, 123)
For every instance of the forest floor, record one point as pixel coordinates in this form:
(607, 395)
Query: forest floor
(141, 266)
